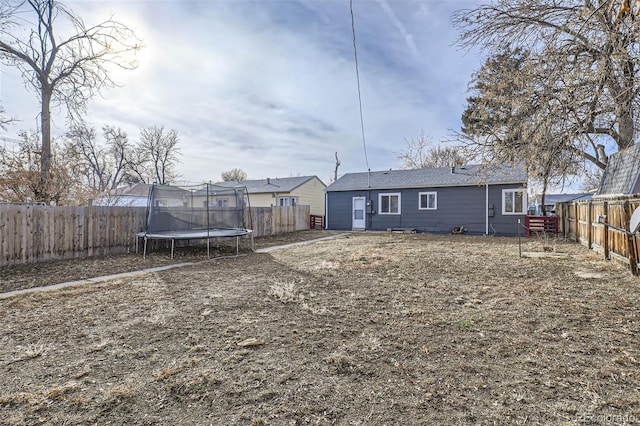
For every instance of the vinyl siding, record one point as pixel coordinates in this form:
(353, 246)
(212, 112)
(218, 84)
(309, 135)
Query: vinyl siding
(340, 206)
(311, 194)
(262, 200)
(457, 206)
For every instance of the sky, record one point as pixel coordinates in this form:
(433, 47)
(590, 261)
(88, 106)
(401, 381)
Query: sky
(270, 87)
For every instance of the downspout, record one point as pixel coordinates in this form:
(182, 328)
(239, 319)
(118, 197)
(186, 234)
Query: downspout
(368, 222)
(486, 201)
(326, 210)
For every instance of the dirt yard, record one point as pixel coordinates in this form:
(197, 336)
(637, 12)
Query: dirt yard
(48, 273)
(368, 329)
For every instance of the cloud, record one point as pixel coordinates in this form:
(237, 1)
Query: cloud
(399, 26)
(270, 86)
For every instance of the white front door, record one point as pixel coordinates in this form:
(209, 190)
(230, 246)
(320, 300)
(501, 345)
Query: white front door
(358, 213)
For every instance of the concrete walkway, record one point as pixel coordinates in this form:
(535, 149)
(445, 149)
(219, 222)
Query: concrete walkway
(149, 270)
(330, 237)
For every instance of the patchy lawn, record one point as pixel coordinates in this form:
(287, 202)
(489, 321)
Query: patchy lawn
(364, 329)
(61, 271)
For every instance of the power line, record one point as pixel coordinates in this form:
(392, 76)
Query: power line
(355, 55)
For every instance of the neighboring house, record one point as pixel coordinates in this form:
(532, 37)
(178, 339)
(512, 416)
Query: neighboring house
(621, 175)
(550, 201)
(137, 195)
(430, 200)
(131, 196)
(217, 196)
(290, 191)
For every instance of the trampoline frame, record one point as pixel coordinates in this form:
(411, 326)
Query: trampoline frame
(194, 234)
(206, 234)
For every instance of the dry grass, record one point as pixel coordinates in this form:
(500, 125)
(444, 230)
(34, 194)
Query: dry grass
(370, 329)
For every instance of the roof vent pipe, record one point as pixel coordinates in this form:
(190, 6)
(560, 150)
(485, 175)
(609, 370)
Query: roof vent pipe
(268, 181)
(453, 169)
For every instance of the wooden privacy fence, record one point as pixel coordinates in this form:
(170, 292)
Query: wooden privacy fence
(35, 233)
(584, 221)
(274, 220)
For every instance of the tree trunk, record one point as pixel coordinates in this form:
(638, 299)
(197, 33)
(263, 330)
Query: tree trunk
(626, 128)
(45, 156)
(543, 208)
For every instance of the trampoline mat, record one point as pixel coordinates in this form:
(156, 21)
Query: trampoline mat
(194, 234)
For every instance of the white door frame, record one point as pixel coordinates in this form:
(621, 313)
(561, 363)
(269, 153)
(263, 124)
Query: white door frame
(358, 222)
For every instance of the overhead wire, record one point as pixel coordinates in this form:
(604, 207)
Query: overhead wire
(355, 55)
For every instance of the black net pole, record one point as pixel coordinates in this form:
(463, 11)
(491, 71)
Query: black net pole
(208, 226)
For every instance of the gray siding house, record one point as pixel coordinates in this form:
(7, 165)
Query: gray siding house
(437, 200)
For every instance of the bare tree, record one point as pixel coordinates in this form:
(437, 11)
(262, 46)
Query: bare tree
(561, 78)
(162, 151)
(20, 172)
(123, 155)
(62, 69)
(234, 175)
(4, 120)
(419, 154)
(591, 179)
(103, 166)
(335, 171)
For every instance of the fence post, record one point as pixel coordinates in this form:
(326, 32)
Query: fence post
(577, 221)
(606, 232)
(631, 248)
(589, 225)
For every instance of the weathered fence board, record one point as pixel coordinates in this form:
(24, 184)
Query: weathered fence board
(33, 233)
(584, 221)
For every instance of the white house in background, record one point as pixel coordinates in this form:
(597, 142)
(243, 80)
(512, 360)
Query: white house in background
(289, 191)
(130, 196)
(550, 201)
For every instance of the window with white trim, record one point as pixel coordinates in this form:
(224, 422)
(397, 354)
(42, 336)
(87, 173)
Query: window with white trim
(287, 201)
(428, 200)
(514, 201)
(389, 203)
(218, 202)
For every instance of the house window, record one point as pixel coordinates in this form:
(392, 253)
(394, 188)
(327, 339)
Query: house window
(428, 200)
(513, 201)
(288, 201)
(389, 203)
(219, 202)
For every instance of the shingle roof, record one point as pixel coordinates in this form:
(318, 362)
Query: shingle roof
(432, 177)
(136, 190)
(621, 172)
(287, 184)
(561, 198)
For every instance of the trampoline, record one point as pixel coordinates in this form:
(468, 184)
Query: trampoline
(202, 212)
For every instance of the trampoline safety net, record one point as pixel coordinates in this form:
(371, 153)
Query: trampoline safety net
(194, 208)
(195, 212)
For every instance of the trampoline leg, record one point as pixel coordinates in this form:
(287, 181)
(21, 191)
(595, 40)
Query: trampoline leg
(172, 242)
(237, 246)
(208, 253)
(144, 253)
(252, 248)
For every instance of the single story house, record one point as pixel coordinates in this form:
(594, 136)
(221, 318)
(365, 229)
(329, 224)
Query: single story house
(472, 199)
(550, 201)
(131, 196)
(289, 191)
(621, 176)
